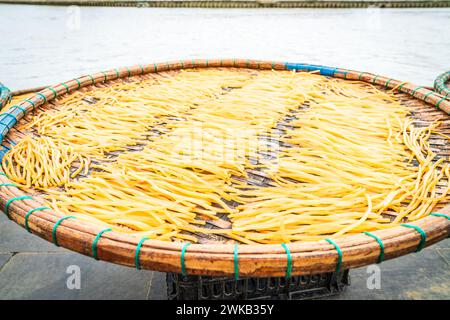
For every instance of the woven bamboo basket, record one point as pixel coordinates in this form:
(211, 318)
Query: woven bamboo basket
(442, 84)
(217, 256)
(5, 95)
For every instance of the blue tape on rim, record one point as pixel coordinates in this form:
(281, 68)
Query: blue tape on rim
(327, 71)
(21, 109)
(324, 70)
(5, 95)
(2, 152)
(9, 123)
(288, 66)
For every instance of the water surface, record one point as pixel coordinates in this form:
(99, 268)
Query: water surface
(46, 44)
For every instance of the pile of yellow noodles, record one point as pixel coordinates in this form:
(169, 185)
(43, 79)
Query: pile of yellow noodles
(345, 168)
(42, 163)
(172, 152)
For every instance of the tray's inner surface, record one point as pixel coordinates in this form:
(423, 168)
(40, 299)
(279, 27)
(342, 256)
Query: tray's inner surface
(220, 155)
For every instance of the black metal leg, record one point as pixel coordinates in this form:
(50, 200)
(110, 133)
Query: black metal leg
(296, 288)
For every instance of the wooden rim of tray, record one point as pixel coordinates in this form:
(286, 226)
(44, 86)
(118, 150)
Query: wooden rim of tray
(260, 260)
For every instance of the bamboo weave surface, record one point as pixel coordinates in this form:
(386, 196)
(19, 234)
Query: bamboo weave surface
(272, 262)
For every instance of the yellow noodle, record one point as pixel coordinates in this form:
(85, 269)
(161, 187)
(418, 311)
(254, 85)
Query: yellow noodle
(158, 157)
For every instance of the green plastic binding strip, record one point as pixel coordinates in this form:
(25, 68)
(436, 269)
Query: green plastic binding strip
(155, 67)
(423, 235)
(437, 214)
(94, 244)
(55, 94)
(79, 83)
(55, 240)
(182, 63)
(428, 94)
(289, 261)
(360, 75)
(375, 79)
(30, 102)
(439, 102)
(27, 216)
(236, 262)
(129, 71)
(20, 108)
(401, 86)
(414, 91)
(8, 203)
(183, 265)
(381, 256)
(117, 73)
(9, 115)
(65, 86)
(207, 63)
(105, 75)
(92, 79)
(136, 255)
(42, 96)
(8, 185)
(142, 69)
(339, 251)
(387, 83)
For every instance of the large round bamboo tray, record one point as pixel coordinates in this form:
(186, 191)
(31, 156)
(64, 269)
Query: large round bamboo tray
(219, 257)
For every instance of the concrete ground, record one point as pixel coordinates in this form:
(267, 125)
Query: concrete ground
(31, 268)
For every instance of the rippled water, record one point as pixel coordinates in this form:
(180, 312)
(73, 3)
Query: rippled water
(46, 44)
